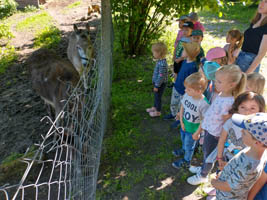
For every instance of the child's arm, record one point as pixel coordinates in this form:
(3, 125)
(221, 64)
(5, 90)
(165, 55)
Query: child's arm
(257, 186)
(181, 117)
(196, 135)
(221, 185)
(221, 142)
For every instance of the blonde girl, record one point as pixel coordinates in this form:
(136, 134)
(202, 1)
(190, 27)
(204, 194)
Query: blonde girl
(160, 77)
(229, 82)
(234, 40)
(255, 83)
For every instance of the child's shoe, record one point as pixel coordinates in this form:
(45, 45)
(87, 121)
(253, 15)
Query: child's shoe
(154, 114)
(178, 152)
(181, 163)
(169, 116)
(197, 179)
(175, 124)
(195, 169)
(151, 109)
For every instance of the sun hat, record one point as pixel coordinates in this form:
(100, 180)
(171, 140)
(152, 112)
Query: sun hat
(193, 16)
(188, 24)
(214, 53)
(256, 124)
(197, 32)
(209, 68)
(183, 17)
(192, 49)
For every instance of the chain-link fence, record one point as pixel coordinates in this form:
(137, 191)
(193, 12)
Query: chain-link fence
(65, 166)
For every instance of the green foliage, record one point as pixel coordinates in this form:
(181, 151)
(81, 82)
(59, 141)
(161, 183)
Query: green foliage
(30, 8)
(139, 22)
(5, 32)
(75, 4)
(49, 37)
(7, 8)
(8, 55)
(35, 22)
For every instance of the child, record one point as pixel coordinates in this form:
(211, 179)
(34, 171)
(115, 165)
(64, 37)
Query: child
(255, 83)
(193, 106)
(189, 66)
(243, 170)
(259, 189)
(197, 36)
(230, 82)
(181, 20)
(234, 39)
(194, 18)
(177, 56)
(160, 77)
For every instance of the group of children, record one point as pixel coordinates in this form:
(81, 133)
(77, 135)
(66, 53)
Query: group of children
(212, 97)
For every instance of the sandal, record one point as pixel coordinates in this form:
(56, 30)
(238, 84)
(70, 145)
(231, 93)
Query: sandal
(153, 109)
(154, 114)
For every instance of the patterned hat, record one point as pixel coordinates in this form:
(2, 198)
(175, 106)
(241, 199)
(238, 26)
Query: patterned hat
(209, 68)
(256, 124)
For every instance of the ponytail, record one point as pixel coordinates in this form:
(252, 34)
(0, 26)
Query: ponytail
(241, 85)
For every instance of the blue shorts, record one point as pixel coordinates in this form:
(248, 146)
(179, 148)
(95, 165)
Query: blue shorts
(244, 60)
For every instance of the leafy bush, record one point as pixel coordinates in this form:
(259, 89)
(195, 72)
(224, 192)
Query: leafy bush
(49, 37)
(5, 32)
(30, 8)
(7, 8)
(7, 56)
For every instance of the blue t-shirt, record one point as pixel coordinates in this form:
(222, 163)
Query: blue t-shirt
(186, 70)
(262, 194)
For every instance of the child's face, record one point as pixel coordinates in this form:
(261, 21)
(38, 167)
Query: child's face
(217, 60)
(181, 23)
(230, 39)
(156, 54)
(197, 38)
(192, 92)
(187, 31)
(222, 82)
(248, 107)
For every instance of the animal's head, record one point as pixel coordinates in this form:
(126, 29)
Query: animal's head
(83, 44)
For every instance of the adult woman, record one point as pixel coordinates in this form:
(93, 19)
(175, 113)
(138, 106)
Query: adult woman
(254, 47)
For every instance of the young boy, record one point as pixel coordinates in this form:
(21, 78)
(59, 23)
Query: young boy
(243, 170)
(189, 66)
(193, 106)
(180, 34)
(197, 36)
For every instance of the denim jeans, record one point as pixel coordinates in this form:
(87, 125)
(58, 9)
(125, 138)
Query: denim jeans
(244, 60)
(188, 145)
(157, 97)
(210, 143)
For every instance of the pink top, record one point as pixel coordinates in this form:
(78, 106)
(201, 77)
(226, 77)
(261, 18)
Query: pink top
(199, 26)
(179, 36)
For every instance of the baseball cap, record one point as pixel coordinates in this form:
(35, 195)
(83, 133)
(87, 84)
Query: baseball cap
(256, 124)
(209, 68)
(216, 52)
(197, 32)
(183, 17)
(188, 24)
(193, 16)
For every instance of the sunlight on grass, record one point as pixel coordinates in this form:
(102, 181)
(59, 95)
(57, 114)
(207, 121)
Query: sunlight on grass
(35, 22)
(75, 4)
(49, 37)
(8, 56)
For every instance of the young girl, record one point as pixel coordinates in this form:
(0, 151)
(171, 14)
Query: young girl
(230, 82)
(160, 77)
(255, 83)
(181, 20)
(234, 41)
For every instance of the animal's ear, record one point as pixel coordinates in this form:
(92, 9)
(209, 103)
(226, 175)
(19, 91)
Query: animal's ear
(75, 27)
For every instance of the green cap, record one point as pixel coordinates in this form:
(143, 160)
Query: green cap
(197, 32)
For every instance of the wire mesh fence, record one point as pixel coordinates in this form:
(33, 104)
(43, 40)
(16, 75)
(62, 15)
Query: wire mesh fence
(65, 164)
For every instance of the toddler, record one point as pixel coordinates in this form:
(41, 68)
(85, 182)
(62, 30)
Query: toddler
(230, 82)
(243, 170)
(160, 77)
(234, 41)
(193, 106)
(255, 82)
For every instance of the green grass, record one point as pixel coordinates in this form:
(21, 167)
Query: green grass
(8, 56)
(74, 5)
(49, 37)
(35, 22)
(5, 32)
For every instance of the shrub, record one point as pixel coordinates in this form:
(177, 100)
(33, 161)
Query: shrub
(49, 37)
(7, 56)
(5, 32)
(30, 8)
(7, 8)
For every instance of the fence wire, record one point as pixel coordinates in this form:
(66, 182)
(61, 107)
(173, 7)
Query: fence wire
(65, 165)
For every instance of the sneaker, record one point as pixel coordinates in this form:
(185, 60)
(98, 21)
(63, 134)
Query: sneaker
(178, 152)
(175, 124)
(151, 109)
(197, 179)
(169, 116)
(181, 163)
(195, 169)
(155, 114)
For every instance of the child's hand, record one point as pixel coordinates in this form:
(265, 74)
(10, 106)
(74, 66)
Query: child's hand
(196, 136)
(182, 125)
(155, 89)
(221, 164)
(177, 116)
